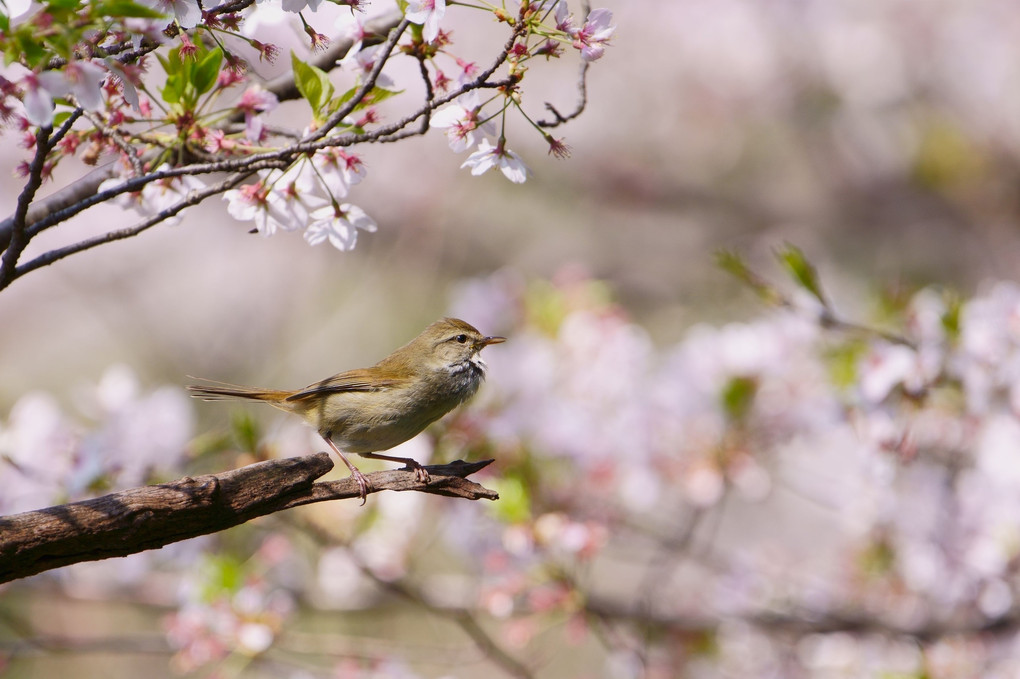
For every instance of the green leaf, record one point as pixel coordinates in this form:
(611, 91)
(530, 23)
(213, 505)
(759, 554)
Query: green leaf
(176, 73)
(733, 263)
(223, 576)
(372, 97)
(59, 118)
(172, 91)
(32, 49)
(843, 361)
(312, 82)
(802, 271)
(379, 94)
(951, 317)
(63, 4)
(204, 73)
(246, 431)
(738, 396)
(514, 500)
(127, 8)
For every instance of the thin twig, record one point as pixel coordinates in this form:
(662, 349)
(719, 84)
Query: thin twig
(281, 156)
(117, 137)
(366, 86)
(582, 103)
(193, 198)
(462, 617)
(19, 234)
(81, 194)
(64, 129)
(247, 165)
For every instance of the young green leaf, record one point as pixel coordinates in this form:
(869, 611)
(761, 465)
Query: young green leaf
(733, 263)
(32, 50)
(737, 397)
(802, 271)
(63, 4)
(176, 74)
(60, 117)
(127, 8)
(203, 75)
(312, 82)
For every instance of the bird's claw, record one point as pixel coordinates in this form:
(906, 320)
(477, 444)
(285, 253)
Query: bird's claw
(362, 482)
(421, 475)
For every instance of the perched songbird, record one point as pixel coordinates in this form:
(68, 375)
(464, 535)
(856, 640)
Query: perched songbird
(371, 409)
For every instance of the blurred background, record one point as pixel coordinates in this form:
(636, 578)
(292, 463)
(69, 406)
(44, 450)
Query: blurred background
(880, 137)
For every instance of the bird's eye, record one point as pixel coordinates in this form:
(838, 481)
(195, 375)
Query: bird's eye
(461, 338)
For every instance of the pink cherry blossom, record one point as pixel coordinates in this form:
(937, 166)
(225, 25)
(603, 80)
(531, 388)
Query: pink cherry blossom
(488, 156)
(38, 100)
(363, 61)
(80, 78)
(186, 12)
(460, 121)
(296, 6)
(339, 224)
(338, 170)
(428, 13)
(255, 100)
(257, 203)
(591, 38)
(156, 196)
(349, 27)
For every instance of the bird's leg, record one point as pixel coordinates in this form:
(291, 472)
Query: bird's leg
(420, 473)
(355, 472)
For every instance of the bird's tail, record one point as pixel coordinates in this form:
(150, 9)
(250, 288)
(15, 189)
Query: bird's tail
(223, 391)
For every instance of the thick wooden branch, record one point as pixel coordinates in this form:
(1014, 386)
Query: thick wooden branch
(144, 518)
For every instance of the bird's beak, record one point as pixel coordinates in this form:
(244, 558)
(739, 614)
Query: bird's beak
(486, 341)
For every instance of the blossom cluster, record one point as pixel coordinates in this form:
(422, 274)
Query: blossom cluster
(808, 474)
(117, 436)
(83, 72)
(900, 449)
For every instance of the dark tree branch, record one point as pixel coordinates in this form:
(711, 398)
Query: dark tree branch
(193, 198)
(26, 224)
(366, 86)
(149, 517)
(582, 102)
(19, 230)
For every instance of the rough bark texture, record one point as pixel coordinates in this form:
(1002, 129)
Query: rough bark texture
(144, 518)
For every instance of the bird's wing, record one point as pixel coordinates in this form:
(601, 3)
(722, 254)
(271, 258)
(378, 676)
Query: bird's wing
(352, 380)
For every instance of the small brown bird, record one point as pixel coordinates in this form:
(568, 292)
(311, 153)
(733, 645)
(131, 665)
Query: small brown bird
(371, 409)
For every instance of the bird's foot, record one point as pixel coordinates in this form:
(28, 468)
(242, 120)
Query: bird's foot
(421, 475)
(362, 482)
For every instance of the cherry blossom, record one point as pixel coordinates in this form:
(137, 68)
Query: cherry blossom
(339, 224)
(428, 13)
(363, 61)
(155, 196)
(80, 78)
(349, 26)
(460, 120)
(296, 6)
(268, 209)
(592, 37)
(187, 13)
(254, 101)
(338, 170)
(487, 156)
